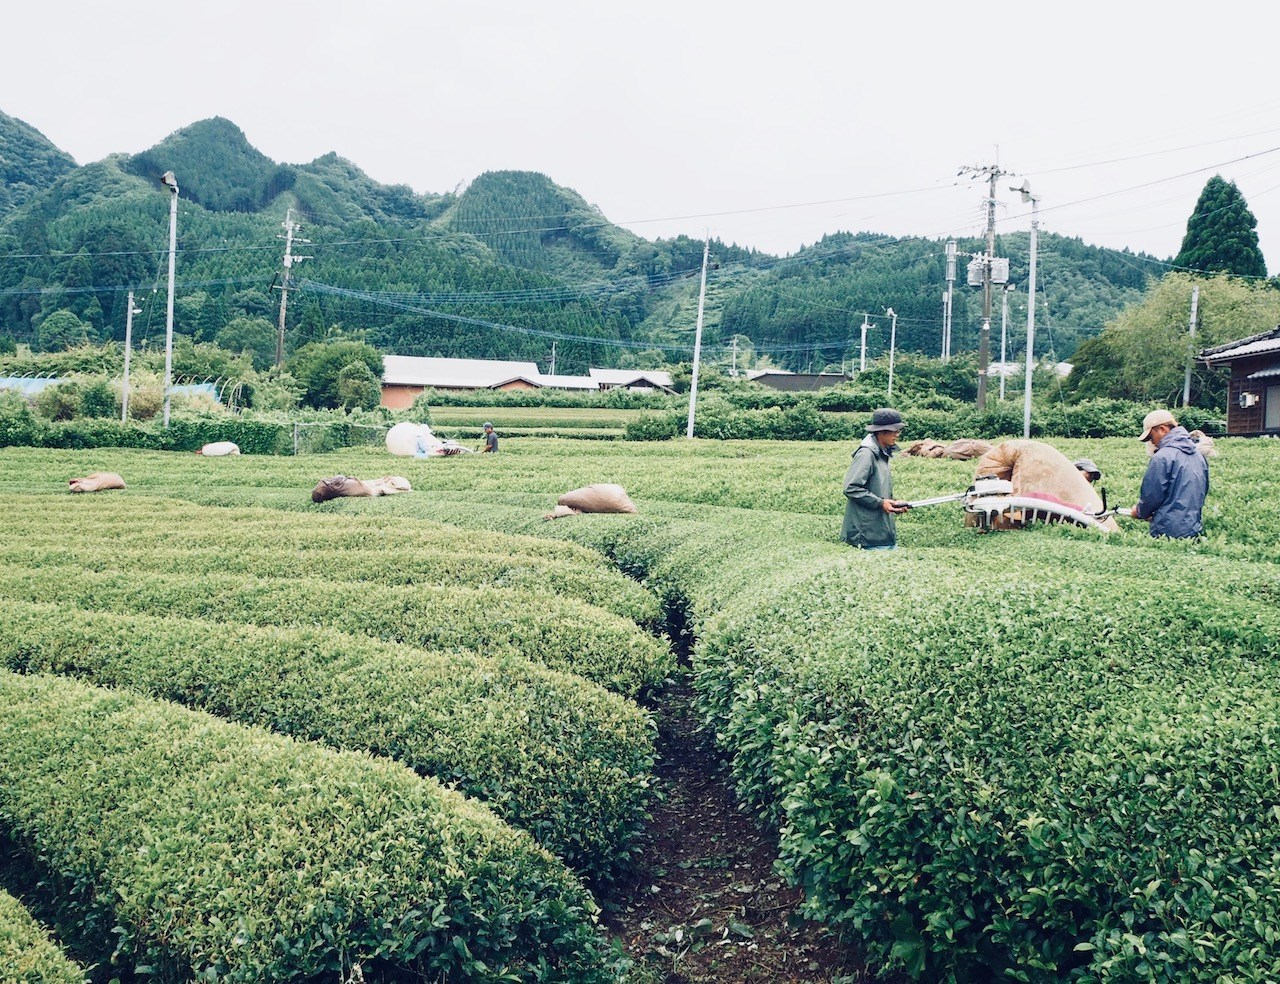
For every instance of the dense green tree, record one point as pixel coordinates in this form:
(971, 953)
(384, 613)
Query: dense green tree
(61, 330)
(255, 336)
(358, 388)
(1143, 354)
(317, 366)
(1222, 234)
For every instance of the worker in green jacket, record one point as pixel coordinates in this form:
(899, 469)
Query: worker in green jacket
(868, 487)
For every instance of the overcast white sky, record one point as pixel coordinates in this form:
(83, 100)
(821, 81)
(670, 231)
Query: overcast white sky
(768, 125)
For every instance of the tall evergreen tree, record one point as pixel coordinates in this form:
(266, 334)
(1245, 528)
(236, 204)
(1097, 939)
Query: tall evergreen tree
(1222, 234)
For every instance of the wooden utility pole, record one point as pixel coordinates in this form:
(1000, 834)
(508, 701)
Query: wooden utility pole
(991, 172)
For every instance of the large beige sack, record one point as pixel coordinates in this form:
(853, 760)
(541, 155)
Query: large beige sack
(219, 448)
(96, 482)
(388, 485)
(924, 449)
(560, 512)
(402, 439)
(598, 499)
(1035, 468)
(966, 448)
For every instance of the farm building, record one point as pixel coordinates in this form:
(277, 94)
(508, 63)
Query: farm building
(405, 376)
(632, 379)
(1253, 392)
(781, 379)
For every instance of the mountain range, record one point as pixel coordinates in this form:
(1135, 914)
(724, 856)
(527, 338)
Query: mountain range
(515, 266)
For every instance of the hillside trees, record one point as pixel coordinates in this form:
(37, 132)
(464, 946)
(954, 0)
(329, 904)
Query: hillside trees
(1142, 354)
(1222, 234)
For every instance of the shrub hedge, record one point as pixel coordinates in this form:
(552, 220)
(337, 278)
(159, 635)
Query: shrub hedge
(560, 633)
(551, 753)
(274, 544)
(27, 954)
(179, 847)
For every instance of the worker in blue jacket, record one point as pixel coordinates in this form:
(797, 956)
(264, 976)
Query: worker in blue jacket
(1176, 482)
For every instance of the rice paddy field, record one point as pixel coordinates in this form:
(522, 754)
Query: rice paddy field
(245, 736)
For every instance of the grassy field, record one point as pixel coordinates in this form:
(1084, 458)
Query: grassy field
(1048, 751)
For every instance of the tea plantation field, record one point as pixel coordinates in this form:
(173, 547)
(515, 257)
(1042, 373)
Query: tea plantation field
(249, 737)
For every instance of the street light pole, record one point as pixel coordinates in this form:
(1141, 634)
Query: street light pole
(170, 182)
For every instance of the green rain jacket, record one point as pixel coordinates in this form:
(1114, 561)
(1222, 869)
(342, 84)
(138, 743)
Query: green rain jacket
(867, 484)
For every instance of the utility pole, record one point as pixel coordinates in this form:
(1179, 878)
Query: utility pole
(947, 300)
(1004, 330)
(553, 357)
(128, 345)
(734, 371)
(289, 229)
(1191, 347)
(862, 353)
(1029, 355)
(697, 336)
(893, 344)
(170, 182)
(991, 172)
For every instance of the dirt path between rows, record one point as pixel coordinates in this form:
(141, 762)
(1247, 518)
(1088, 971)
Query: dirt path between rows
(705, 904)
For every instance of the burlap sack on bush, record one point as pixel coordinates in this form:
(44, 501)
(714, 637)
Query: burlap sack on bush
(96, 482)
(343, 486)
(598, 499)
(1035, 468)
(560, 512)
(924, 449)
(966, 448)
(1204, 443)
(388, 485)
(219, 448)
(337, 487)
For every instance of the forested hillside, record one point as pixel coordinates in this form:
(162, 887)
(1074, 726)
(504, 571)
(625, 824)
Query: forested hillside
(505, 269)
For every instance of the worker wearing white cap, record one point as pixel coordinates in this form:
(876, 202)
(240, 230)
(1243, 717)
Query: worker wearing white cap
(1177, 479)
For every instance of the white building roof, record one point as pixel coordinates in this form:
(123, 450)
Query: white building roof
(568, 382)
(412, 370)
(630, 377)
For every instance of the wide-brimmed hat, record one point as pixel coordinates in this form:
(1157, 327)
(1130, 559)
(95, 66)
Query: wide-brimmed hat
(1154, 419)
(885, 419)
(1087, 466)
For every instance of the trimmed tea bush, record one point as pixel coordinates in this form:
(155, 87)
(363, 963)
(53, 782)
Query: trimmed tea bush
(181, 847)
(27, 955)
(550, 752)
